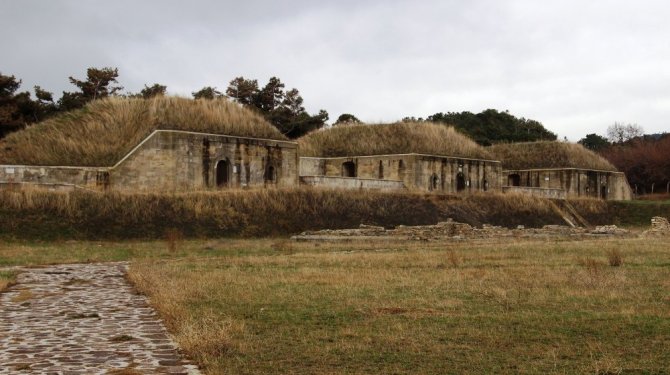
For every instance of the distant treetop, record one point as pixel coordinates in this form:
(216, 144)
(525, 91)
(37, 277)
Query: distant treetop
(491, 126)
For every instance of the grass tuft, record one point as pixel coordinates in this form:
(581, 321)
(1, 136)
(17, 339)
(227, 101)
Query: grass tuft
(7, 279)
(173, 239)
(614, 258)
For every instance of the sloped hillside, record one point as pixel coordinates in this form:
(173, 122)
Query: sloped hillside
(398, 138)
(531, 155)
(101, 133)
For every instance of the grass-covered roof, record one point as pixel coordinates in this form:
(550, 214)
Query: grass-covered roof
(104, 131)
(536, 155)
(398, 138)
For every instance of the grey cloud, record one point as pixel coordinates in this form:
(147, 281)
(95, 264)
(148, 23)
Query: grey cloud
(576, 66)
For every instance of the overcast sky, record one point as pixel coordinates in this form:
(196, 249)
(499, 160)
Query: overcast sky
(575, 66)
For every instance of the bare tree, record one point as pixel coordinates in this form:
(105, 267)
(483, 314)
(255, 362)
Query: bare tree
(620, 132)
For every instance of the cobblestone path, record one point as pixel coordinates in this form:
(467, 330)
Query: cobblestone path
(82, 319)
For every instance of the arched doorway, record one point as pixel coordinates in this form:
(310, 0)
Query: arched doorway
(348, 169)
(460, 182)
(222, 173)
(603, 191)
(514, 180)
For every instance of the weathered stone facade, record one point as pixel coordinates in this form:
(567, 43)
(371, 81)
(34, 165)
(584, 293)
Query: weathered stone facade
(176, 161)
(185, 161)
(416, 171)
(169, 160)
(574, 182)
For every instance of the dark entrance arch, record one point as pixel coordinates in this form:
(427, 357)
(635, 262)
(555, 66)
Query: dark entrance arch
(270, 174)
(348, 169)
(222, 173)
(603, 192)
(460, 182)
(432, 183)
(514, 180)
(381, 170)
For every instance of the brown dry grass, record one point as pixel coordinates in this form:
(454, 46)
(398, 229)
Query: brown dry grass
(398, 138)
(7, 279)
(105, 130)
(527, 307)
(548, 154)
(41, 214)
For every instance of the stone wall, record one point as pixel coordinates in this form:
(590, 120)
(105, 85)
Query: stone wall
(176, 161)
(536, 192)
(575, 182)
(416, 171)
(352, 183)
(659, 227)
(451, 230)
(53, 178)
(181, 161)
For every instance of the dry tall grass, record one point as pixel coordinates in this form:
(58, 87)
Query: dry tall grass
(547, 154)
(7, 278)
(379, 308)
(105, 130)
(250, 213)
(398, 138)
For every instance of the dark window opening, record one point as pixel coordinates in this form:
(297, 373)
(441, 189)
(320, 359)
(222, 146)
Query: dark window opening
(433, 182)
(348, 169)
(271, 174)
(381, 170)
(485, 185)
(603, 192)
(222, 173)
(205, 162)
(592, 183)
(514, 180)
(102, 179)
(460, 182)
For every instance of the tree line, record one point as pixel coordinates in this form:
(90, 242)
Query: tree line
(282, 108)
(644, 158)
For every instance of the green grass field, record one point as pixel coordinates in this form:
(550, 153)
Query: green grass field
(275, 306)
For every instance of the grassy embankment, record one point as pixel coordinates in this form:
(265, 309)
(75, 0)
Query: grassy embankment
(33, 214)
(105, 130)
(529, 307)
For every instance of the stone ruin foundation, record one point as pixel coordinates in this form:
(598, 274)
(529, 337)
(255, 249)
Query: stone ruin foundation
(659, 227)
(452, 230)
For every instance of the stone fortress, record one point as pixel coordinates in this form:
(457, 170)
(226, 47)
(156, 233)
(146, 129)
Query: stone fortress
(420, 157)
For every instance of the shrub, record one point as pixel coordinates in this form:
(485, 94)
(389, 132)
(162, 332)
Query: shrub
(614, 257)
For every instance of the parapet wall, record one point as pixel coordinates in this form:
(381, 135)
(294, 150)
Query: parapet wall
(536, 192)
(54, 178)
(352, 183)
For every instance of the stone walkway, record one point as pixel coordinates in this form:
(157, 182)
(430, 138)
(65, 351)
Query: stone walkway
(82, 319)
